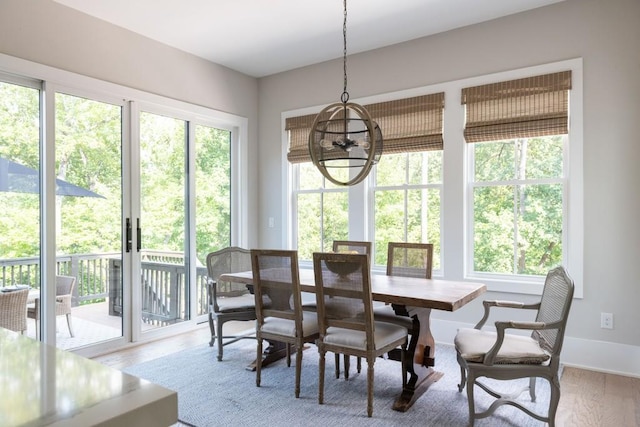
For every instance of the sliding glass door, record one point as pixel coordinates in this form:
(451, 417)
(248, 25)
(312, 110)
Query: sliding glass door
(88, 165)
(162, 223)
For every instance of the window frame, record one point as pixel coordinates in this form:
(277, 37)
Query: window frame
(456, 224)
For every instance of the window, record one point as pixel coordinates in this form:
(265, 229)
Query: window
(499, 207)
(517, 201)
(407, 193)
(517, 132)
(406, 196)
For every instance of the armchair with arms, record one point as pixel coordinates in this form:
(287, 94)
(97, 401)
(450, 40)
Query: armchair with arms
(506, 356)
(228, 301)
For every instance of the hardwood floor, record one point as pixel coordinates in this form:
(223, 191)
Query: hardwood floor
(589, 399)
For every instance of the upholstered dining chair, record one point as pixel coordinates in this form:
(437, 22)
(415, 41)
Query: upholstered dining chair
(352, 246)
(279, 311)
(359, 247)
(345, 316)
(64, 293)
(228, 301)
(13, 310)
(405, 260)
(508, 356)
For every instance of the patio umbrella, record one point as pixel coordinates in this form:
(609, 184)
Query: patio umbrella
(18, 178)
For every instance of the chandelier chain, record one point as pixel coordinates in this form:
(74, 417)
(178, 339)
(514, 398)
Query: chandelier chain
(345, 95)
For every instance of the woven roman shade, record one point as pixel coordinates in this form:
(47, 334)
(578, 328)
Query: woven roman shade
(522, 108)
(408, 125)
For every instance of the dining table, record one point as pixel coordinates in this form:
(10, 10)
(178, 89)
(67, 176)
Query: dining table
(409, 296)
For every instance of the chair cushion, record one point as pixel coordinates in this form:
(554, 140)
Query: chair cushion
(384, 334)
(385, 313)
(241, 303)
(473, 345)
(287, 327)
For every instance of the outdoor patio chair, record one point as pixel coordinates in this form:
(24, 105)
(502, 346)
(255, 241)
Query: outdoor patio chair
(13, 310)
(228, 301)
(279, 306)
(64, 292)
(345, 316)
(505, 356)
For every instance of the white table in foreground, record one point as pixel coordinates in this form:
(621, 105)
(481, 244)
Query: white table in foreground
(45, 386)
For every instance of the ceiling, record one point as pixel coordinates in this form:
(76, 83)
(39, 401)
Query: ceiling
(263, 37)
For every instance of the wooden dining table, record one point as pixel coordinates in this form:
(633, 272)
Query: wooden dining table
(409, 296)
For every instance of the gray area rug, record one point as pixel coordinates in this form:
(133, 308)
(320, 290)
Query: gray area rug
(212, 393)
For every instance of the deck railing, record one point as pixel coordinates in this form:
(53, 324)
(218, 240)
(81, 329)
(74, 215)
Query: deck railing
(99, 276)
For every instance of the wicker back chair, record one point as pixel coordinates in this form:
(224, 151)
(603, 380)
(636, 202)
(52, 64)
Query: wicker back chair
(228, 301)
(279, 306)
(64, 293)
(345, 316)
(405, 260)
(352, 246)
(509, 356)
(13, 310)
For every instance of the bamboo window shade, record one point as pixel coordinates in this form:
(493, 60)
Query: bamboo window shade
(408, 125)
(522, 108)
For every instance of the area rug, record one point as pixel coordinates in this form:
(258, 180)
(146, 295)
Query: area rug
(212, 393)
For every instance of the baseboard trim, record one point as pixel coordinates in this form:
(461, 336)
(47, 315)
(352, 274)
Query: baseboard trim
(600, 356)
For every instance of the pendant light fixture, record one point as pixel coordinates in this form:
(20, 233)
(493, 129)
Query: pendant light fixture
(343, 135)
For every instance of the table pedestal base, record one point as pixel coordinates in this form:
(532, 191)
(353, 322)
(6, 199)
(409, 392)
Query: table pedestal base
(274, 352)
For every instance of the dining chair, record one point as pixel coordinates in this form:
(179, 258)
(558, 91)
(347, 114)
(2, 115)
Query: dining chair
(345, 316)
(405, 260)
(352, 246)
(509, 356)
(228, 301)
(278, 303)
(13, 310)
(64, 293)
(359, 247)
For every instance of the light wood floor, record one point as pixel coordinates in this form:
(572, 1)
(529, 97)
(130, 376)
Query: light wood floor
(589, 399)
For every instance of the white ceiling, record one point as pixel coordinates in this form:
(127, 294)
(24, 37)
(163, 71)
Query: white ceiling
(263, 37)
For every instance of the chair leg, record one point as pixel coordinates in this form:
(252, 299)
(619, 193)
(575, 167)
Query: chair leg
(69, 324)
(555, 398)
(347, 366)
(470, 385)
(288, 355)
(337, 357)
(359, 364)
(463, 374)
(212, 327)
(370, 363)
(532, 388)
(258, 360)
(219, 338)
(321, 377)
(299, 347)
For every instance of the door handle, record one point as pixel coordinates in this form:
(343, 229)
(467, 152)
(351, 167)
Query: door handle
(138, 235)
(128, 235)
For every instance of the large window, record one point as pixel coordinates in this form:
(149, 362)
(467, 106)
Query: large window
(406, 195)
(500, 199)
(517, 200)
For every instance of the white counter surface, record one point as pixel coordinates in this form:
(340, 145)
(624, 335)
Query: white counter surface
(43, 386)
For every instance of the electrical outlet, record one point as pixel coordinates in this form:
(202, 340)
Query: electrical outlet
(606, 320)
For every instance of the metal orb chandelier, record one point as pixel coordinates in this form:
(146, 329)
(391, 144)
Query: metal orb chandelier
(343, 135)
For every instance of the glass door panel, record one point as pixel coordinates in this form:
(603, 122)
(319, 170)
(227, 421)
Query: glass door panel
(163, 221)
(88, 159)
(20, 197)
(213, 200)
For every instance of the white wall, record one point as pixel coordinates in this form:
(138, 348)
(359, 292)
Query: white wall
(48, 33)
(606, 36)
